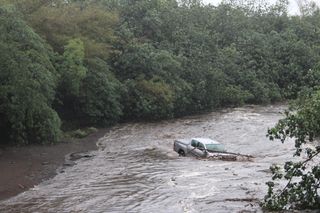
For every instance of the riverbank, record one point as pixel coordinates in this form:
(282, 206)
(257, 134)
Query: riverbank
(136, 169)
(24, 167)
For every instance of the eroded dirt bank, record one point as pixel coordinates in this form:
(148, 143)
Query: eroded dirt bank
(135, 169)
(23, 167)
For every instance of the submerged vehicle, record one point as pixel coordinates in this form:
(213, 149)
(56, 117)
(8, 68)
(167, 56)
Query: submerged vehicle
(198, 147)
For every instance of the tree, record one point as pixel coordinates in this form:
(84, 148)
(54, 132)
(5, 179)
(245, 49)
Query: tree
(27, 83)
(91, 22)
(148, 99)
(303, 174)
(100, 95)
(307, 7)
(73, 70)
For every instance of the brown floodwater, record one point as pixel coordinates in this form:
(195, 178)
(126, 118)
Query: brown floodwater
(136, 170)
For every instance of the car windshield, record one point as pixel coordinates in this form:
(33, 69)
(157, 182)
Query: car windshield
(215, 147)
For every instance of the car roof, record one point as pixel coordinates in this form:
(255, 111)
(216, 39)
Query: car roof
(205, 140)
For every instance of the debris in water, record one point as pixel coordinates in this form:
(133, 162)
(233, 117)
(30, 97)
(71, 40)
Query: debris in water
(226, 156)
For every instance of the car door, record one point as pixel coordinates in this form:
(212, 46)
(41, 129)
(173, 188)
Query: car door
(192, 148)
(198, 149)
(201, 150)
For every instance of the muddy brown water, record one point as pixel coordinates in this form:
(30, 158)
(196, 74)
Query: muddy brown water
(136, 170)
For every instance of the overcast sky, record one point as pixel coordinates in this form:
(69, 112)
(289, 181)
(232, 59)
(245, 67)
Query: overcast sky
(293, 7)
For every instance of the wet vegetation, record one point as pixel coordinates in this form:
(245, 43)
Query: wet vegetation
(97, 62)
(84, 63)
(302, 175)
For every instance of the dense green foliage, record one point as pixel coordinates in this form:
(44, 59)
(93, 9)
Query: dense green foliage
(302, 189)
(97, 62)
(27, 83)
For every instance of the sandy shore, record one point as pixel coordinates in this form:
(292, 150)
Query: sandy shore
(23, 167)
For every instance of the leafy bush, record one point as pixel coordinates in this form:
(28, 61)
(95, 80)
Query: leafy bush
(302, 175)
(101, 93)
(27, 83)
(81, 133)
(151, 99)
(234, 96)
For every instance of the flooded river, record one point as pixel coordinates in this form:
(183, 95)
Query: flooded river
(135, 169)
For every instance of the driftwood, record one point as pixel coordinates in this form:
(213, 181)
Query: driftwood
(228, 156)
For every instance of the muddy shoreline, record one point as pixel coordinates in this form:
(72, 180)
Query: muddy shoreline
(24, 167)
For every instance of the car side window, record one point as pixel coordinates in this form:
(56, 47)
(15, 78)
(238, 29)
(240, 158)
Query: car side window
(193, 143)
(201, 146)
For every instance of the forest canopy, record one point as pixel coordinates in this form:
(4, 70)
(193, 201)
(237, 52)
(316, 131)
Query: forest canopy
(80, 63)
